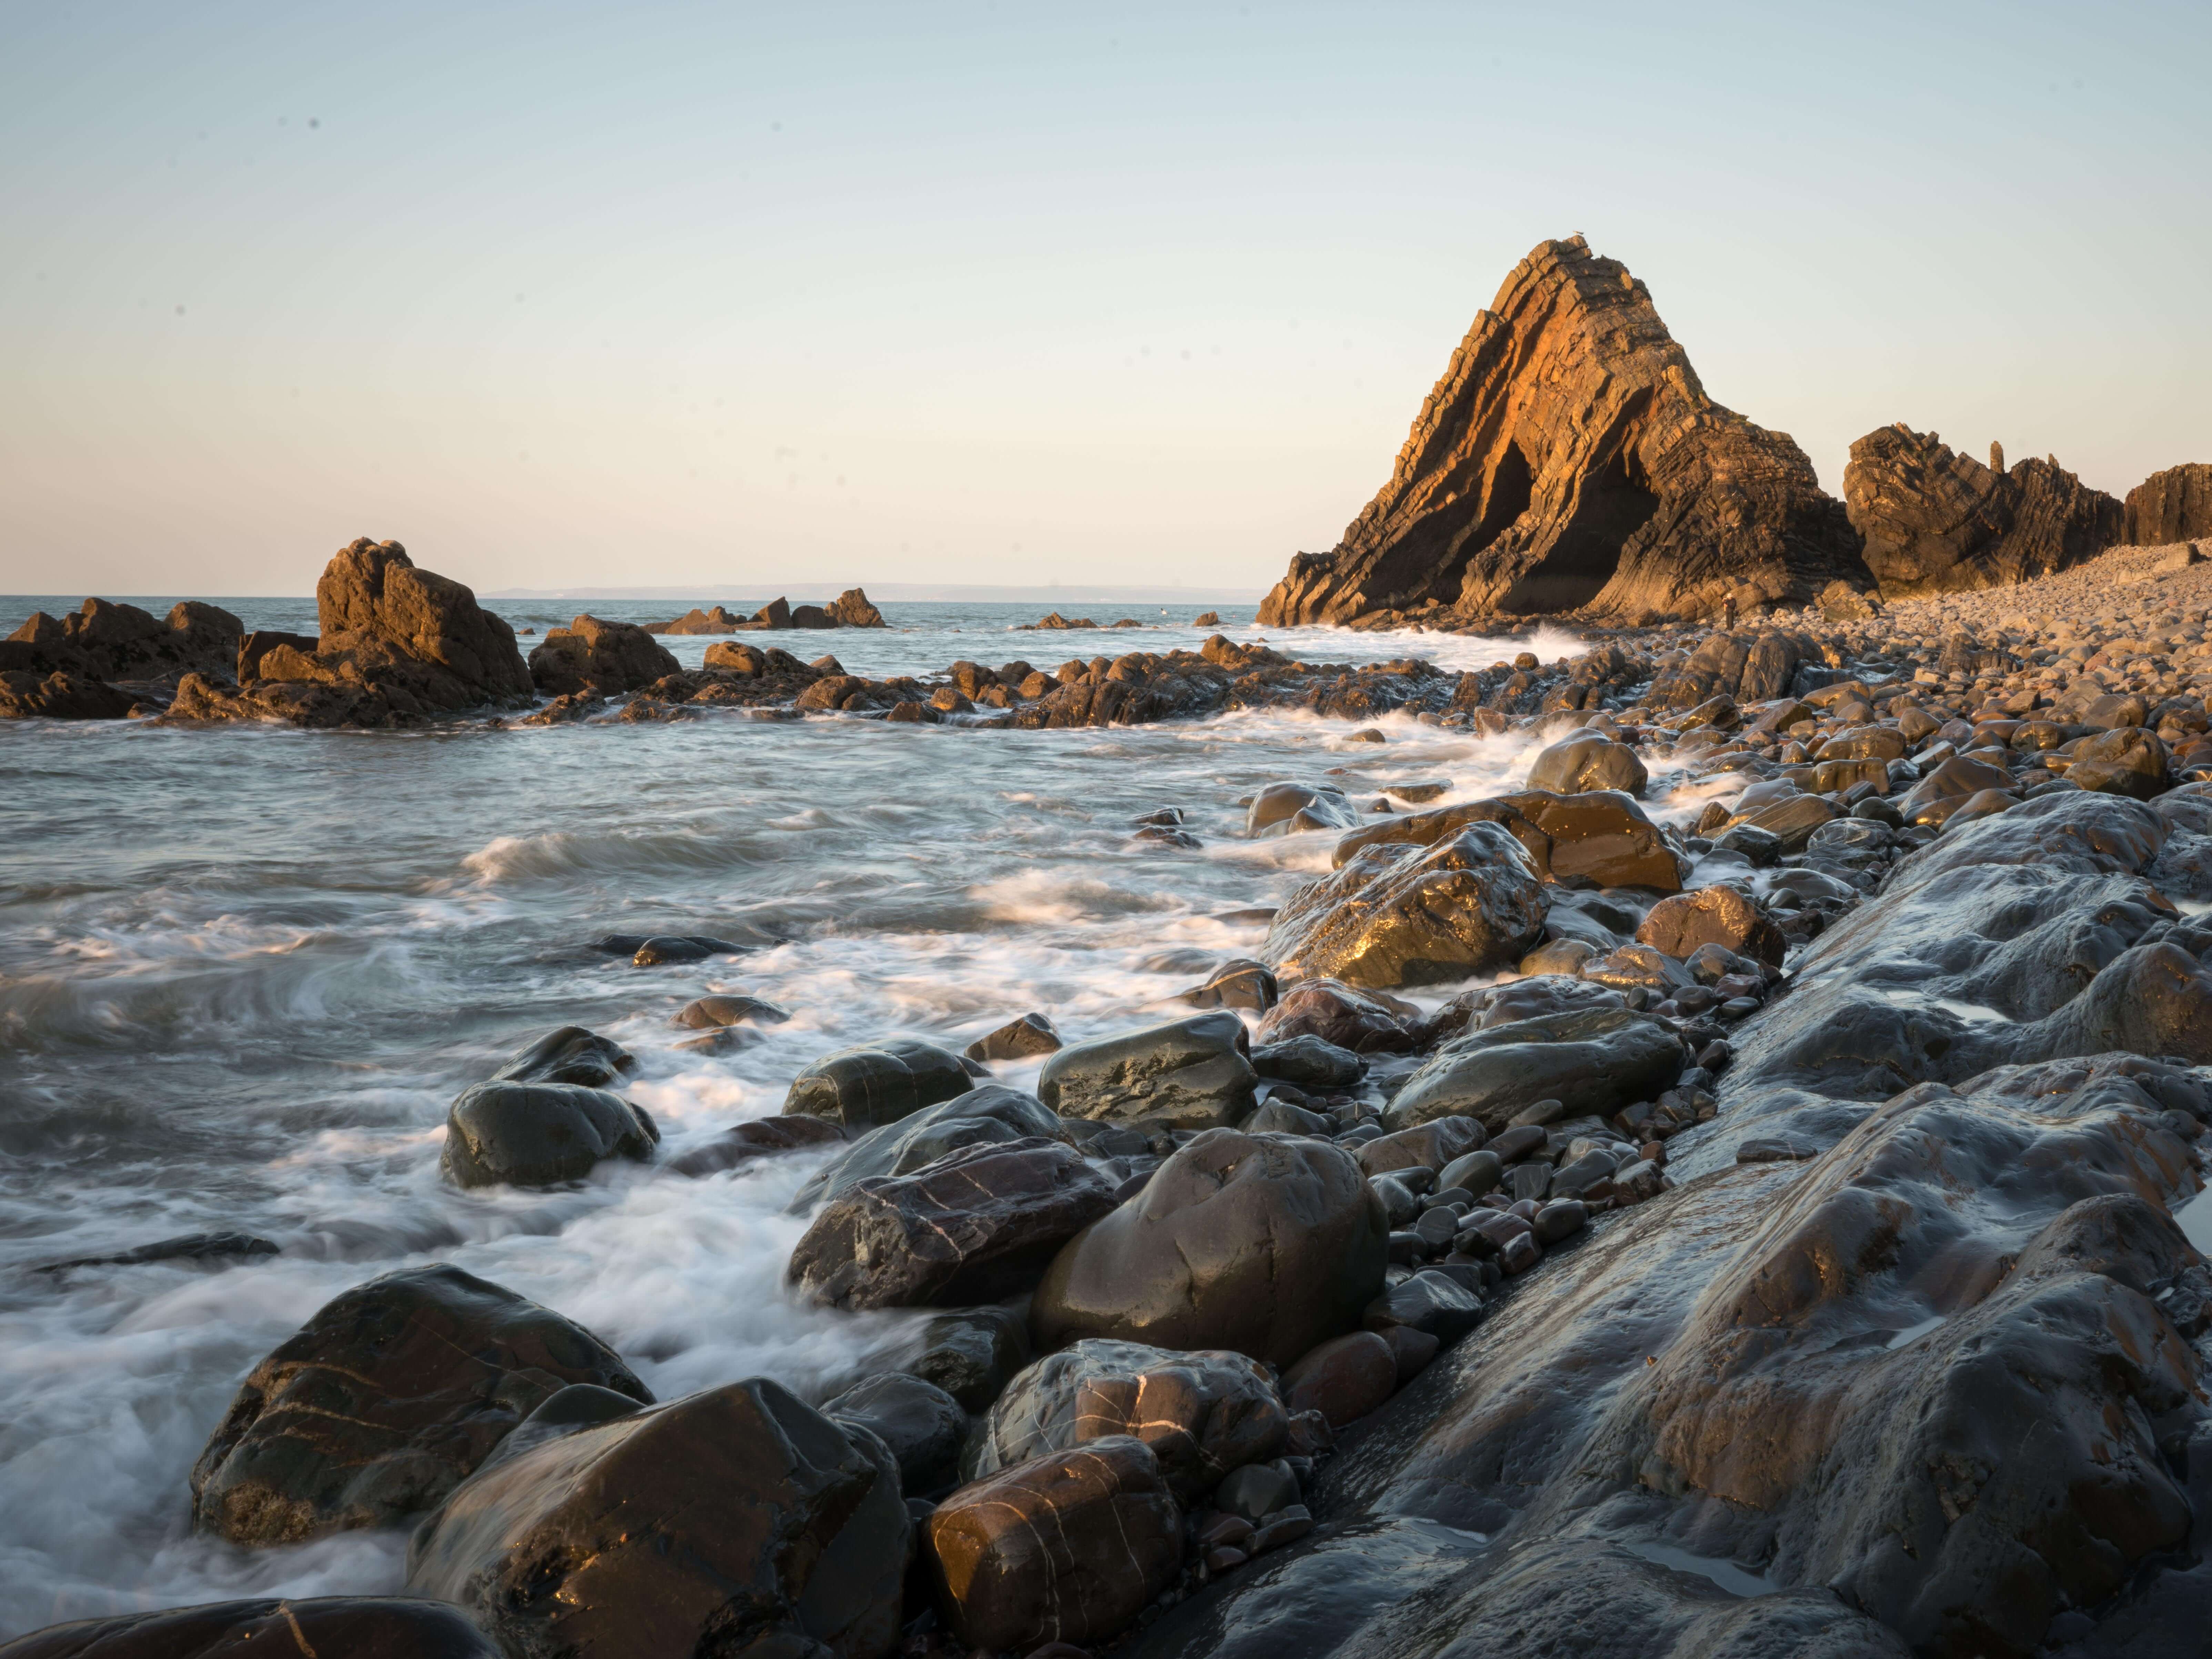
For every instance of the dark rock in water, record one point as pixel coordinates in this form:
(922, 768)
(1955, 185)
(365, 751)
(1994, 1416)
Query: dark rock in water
(384, 1401)
(1260, 1245)
(1405, 915)
(1712, 916)
(1596, 840)
(721, 1012)
(988, 1114)
(1203, 1413)
(761, 1138)
(2168, 506)
(579, 1406)
(1343, 1378)
(1431, 1303)
(972, 1355)
(398, 644)
(329, 1627)
(1597, 1061)
(1239, 982)
(851, 609)
(864, 1088)
(24, 695)
(1587, 761)
(190, 1246)
(527, 1135)
(570, 1055)
(1362, 1021)
(1568, 459)
(921, 1424)
(731, 1521)
(1936, 521)
(1069, 1546)
(978, 1224)
(1017, 1039)
(658, 948)
(1193, 1074)
(103, 641)
(605, 657)
(1308, 1060)
(695, 621)
(1283, 809)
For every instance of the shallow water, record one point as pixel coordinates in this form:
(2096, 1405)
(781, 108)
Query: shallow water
(244, 971)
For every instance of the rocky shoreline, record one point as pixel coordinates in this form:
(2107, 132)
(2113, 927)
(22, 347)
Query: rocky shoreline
(1773, 1252)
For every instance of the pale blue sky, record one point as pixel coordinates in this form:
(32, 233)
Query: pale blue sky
(965, 292)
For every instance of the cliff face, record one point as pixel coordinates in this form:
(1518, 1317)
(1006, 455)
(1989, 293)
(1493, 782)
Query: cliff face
(1570, 459)
(2173, 506)
(1936, 521)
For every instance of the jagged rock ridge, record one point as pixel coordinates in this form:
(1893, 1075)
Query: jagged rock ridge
(1936, 521)
(1570, 459)
(2173, 506)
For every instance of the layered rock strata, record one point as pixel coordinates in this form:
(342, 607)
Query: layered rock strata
(1570, 459)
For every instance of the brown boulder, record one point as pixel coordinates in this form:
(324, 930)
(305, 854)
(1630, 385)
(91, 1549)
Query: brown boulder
(2173, 506)
(105, 641)
(852, 609)
(1343, 1379)
(605, 657)
(1399, 914)
(736, 1521)
(1601, 839)
(1712, 916)
(695, 621)
(1261, 1243)
(384, 1402)
(1936, 521)
(1067, 1548)
(1568, 459)
(1364, 1022)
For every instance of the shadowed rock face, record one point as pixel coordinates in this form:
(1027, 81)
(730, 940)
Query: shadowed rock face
(1936, 521)
(384, 1402)
(1570, 459)
(333, 1627)
(2173, 506)
(734, 1521)
(605, 657)
(108, 641)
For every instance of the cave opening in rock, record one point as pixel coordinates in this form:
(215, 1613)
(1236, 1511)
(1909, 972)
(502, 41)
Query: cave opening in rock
(1612, 505)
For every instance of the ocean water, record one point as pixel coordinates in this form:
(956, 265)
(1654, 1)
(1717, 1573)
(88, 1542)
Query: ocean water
(244, 971)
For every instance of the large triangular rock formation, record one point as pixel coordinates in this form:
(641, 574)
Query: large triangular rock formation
(1935, 521)
(1570, 461)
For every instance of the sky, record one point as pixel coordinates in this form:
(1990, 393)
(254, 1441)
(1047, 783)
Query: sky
(983, 293)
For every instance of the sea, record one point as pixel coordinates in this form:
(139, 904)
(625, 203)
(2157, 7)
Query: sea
(245, 970)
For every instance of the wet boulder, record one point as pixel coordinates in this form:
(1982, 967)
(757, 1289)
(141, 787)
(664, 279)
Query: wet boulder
(540, 1135)
(1193, 1074)
(1283, 809)
(1068, 1547)
(1599, 838)
(329, 1627)
(978, 1224)
(1720, 916)
(1018, 1039)
(384, 1401)
(921, 1424)
(2124, 761)
(1308, 1060)
(989, 1114)
(1595, 1061)
(1361, 1021)
(1587, 762)
(1409, 915)
(717, 1013)
(570, 1055)
(1433, 1145)
(1239, 982)
(606, 657)
(60, 696)
(763, 1137)
(735, 1519)
(1203, 1413)
(1343, 1378)
(864, 1088)
(1255, 1242)
(974, 1353)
